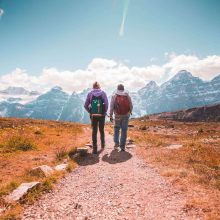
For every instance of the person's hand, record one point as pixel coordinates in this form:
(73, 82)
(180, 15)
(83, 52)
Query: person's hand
(111, 119)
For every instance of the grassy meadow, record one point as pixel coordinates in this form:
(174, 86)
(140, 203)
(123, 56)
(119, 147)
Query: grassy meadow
(27, 143)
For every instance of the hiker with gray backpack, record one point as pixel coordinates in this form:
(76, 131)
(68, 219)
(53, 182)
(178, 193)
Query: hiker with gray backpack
(121, 105)
(96, 105)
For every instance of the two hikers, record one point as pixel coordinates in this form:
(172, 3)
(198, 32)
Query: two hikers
(121, 106)
(97, 105)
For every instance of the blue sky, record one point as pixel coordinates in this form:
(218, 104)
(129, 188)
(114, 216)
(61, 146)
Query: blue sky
(69, 34)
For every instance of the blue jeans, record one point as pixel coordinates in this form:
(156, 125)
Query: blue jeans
(121, 123)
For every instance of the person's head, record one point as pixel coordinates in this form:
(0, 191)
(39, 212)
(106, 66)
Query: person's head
(121, 87)
(96, 85)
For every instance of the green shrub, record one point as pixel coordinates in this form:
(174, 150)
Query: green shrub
(8, 188)
(19, 143)
(61, 153)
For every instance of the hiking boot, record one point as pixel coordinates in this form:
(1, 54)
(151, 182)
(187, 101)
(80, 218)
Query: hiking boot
(116, 146)
(122, 148)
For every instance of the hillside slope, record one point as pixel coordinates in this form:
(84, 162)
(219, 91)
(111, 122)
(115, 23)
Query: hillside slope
(205, 113)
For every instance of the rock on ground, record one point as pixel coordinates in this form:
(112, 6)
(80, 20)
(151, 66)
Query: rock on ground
(43, 170)
(21, 191)
(174, 146)
(61, 167)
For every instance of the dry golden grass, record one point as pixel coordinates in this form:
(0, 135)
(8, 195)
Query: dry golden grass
(195, 167)
(26, 143)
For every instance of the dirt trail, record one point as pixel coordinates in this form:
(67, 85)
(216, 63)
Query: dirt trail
(112, 185)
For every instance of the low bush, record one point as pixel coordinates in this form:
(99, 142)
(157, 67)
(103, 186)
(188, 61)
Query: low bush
(8, 188)
(18, 143)
(61, 153)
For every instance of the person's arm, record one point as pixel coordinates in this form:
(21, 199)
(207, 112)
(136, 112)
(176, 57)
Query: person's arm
(87, 102)
(105, 98)
(112, 106)
(130, 103)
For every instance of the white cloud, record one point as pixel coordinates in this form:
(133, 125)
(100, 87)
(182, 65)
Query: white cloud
(206, 68)
(1, 12)
(100, 63)
(110, 72)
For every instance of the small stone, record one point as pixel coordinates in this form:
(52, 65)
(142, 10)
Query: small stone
(43, 170)
(174, 146)
(21, 191)
(82, 151)
(61, 167)
(88, 145)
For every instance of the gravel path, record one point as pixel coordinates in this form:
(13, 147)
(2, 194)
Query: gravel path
(112, 185)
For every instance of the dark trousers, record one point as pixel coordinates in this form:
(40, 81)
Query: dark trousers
(98, 122)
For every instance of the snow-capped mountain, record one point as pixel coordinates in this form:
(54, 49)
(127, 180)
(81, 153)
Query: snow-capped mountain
(17, 95)
(48, 105)
(73, 110)
(180, 92)
(52, 105)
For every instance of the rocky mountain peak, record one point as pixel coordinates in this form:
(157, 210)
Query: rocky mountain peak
(151, 84)
(150, 87)
(182, 75)
(215, 79)
(57, 88)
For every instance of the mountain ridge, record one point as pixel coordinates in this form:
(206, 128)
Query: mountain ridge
(196, 114)
(182, 91)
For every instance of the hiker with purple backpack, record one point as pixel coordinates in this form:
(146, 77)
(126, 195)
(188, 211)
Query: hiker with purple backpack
(96, 105)
(121, 105)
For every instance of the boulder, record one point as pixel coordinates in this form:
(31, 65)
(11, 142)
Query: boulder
(43, 170)
(21, 191)
(61, 167)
